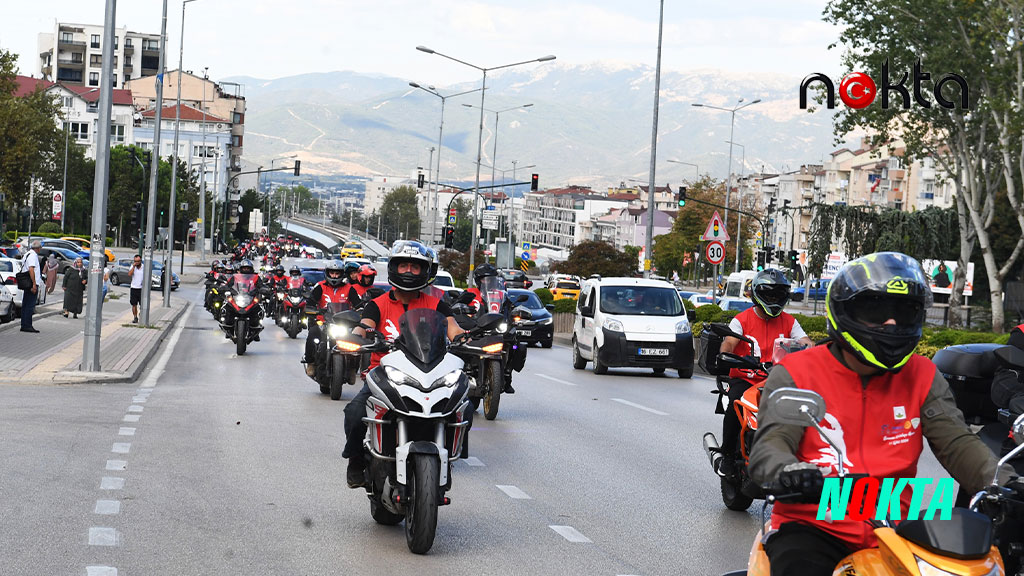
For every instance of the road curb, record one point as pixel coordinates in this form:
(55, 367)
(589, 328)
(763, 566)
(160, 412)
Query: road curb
(140, 368)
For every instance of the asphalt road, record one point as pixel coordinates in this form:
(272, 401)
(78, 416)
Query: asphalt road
(233, 466)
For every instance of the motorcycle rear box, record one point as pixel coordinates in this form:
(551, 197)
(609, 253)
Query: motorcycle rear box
(969, 369)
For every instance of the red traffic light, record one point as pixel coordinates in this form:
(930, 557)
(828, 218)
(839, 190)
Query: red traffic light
(534, 181)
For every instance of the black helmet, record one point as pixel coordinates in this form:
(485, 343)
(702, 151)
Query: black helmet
(867, 293)
(279, 270)
(351, 267)
(332, 274)
(366, 275)
(295, 271)
(770, 291)
(409, 251)
(482, 271)
(246, 267)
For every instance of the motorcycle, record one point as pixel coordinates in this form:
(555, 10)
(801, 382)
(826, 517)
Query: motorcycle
(292, 300)
(485, 355)
(986, 539)
(738, 491)
(416, 421)
(337, 366)
(242, 315)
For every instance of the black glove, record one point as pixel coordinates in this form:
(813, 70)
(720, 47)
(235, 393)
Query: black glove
(802, 478)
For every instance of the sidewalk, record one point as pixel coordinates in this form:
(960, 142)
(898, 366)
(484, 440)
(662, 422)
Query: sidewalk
(54, 355)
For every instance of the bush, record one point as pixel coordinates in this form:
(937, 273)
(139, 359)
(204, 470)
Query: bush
(565, 305)
(707, 312)
(545, 295)
(689, 305)
(812, 323)
(49, 228)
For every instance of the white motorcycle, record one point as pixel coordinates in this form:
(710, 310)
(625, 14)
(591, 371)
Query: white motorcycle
(416, 419)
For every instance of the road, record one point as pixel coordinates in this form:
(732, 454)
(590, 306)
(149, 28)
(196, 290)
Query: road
(217, 464)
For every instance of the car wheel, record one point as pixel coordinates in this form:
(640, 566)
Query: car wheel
(686, 372)
(578, 362)
(599, 368)
(115, 280)
(548, 343)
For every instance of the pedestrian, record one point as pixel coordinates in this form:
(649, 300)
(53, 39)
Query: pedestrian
(51, 273)
(30, 264)
(106, 282)
(136, 273)
(74, 288)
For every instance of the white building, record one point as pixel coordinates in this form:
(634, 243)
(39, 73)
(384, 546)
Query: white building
(378, 188)
(73, 54)
(558, 219)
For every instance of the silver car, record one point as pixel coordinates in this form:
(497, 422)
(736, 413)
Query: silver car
(119, 273)
(6, 304)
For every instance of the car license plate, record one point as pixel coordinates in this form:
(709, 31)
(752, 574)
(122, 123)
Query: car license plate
(525, 332)
(654, 351)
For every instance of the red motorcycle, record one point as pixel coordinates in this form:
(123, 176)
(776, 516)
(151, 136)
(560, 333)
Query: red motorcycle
(292, 306)
(242, 317)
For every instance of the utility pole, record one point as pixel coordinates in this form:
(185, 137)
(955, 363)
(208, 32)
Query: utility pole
(201, 228)
(649, 248)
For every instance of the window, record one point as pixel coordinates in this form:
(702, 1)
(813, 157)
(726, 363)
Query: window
(150, 45)
(94, 78)
(236, 141)
(95, 41)
(79, 130)
(127, 61)
(78, 58)
(127, 42)
(237, 118)
(67, 37)
(117, 132)
(95, 60)
(203, 152)
(66, 75)
(115, 42)
(640, 300)
(114, 84)
(67, 101)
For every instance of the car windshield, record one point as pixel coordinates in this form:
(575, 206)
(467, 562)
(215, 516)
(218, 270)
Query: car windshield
(6, 267)
(440, 280)
(313, 276)
(640, 300)
(567, 286)
(739, 306)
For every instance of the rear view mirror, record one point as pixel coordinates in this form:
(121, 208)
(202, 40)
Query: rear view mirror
(691, 315)
(728, 361)
(523, 313)
(489, 321)
(529, 283)
(586, 311)
(549, 307)
(797, 407)
(466, 297)
(521, 298)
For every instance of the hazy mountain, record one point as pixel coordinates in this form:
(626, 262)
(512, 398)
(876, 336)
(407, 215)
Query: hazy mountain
(589, 124)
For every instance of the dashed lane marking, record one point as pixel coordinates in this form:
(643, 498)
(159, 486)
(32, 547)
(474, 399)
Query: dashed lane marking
(136, 408)
(513, 492)
(111, 483)
(571, 534)
(121, 447)
(107, 507)
(100, 571)
(473, 461)
(125, 431)
(553, 379)
(131, 417)
(117, 465)
(102, 537)
(640, 406)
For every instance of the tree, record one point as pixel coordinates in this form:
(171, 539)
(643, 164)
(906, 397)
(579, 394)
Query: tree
(596, 257)
(399, 214)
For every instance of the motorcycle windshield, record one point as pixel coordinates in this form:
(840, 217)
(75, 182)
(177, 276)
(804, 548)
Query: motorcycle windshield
(423, 336)
(245, 283)
(296, 281)
(335, 307)
(492, 292)
(784, 347)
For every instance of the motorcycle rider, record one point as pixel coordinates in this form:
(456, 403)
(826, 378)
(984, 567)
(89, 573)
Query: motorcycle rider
(871, 380)
(244, 267)
(363, 281)
(330, 289)
(762, 323)
(479, 273)
(410, 269)
(278, 278)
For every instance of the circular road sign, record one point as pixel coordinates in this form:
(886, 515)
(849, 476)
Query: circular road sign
(715, 252)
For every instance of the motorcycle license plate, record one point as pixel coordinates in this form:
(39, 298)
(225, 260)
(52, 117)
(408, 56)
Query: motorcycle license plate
(525, 332)
(653, 351)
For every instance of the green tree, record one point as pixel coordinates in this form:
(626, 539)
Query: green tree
(399, 214)
(596, 257)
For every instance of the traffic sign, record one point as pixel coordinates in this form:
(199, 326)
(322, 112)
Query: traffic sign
(490, 207)
(526, 246)
(715, 252)
(716, 230)
(525, 255)
(451, 219)
(451, 212)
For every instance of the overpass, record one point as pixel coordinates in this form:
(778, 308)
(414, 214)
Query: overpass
(331, 236)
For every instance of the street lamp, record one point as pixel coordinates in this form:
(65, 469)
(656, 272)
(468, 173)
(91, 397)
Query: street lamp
(440, 132)
(480, 138)
(739, 215)
(732, 126)
(687, 164)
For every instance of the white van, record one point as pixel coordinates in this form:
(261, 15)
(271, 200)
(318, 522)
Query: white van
(631, 322)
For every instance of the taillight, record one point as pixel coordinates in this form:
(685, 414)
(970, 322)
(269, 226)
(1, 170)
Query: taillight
(11, 280)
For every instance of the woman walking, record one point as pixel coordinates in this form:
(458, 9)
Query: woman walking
(51, 273)
(74, 288)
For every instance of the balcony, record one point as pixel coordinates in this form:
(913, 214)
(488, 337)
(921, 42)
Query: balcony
(127, 70)
(73, 44)
(129, 49)
(72, 64)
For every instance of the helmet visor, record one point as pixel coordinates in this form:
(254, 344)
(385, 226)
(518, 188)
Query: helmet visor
(773, 294)
(875, 310)
(333, 273)
(889, 273)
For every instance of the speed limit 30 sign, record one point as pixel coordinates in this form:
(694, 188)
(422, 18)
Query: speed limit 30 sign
(715, 252)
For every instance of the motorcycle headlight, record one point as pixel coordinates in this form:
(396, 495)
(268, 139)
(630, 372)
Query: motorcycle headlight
(399, 378)
(683, 327)
(502, 328)
(295, 299)
(612, 325)
(337, 331)
(280, 294)
(243, 300)
(450, 379)
(546, 321)
(927, 569)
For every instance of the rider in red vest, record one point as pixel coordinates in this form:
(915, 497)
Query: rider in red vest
(762, 323)
(362, 281)
(411, 267)
(882, 401)
(331, 289)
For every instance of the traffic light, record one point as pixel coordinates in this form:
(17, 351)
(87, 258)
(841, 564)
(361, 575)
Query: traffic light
(419, 181)
(760, 260)
(780, 255)
(793, 259)
(137, 215)
(682, 196)
(534, 181)
(297, 164)
(449, 236)
(768, 257)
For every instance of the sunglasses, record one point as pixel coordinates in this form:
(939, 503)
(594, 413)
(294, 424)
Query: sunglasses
(877, 310)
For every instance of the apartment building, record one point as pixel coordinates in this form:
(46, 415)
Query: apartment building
(73, 54)
(623, 227)
(557, 218)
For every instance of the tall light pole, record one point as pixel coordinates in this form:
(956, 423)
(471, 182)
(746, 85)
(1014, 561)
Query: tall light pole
(201, 232)
(64, 187)
(97, 254)
(480, 140)
(154, 175)
(512, 213)
(440, 132)
(739, 204)
(649, 247)
(697, 168)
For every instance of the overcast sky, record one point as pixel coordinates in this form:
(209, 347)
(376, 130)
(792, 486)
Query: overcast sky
(275, 38)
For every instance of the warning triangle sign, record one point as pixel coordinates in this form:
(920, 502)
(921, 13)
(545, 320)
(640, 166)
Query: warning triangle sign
(716, 230)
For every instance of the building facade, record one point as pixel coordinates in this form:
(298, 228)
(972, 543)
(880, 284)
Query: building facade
(73, 54)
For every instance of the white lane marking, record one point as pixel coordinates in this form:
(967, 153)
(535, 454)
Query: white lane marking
(107, 507)
(131, 417)
(102, 537)
(641, 407)
(553, 379)
(125, 431)
(158, 368)
(473, 461)
(513, 492)
(569, 533)
(121, 447)
(140, 399)
(135, 408)
(100, 571)
(116, 464)
(111, 483)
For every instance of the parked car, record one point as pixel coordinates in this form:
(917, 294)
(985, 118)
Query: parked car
(516, 279)
(737, 305)
(10, 252)
(58, 243)
(565, 289)
(551, 279)
(444, 282)
(65, 258)
(819, 289)
(119, 274)
(84, 245)
(6, 304)
(9, 268)
(699, 300)
(541, 327)
(632, 322)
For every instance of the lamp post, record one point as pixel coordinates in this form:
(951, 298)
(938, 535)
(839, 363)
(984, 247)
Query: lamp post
(649, 245)
(732, 126)
(510, 218)
(440, 132)
(739, 203)
(480, 139)
(154, 174)
(201, 229)
(687, 164)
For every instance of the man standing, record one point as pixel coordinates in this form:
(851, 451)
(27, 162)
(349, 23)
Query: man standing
(28, 302)
(136, 289)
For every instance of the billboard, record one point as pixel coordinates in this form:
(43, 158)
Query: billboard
(940, 276)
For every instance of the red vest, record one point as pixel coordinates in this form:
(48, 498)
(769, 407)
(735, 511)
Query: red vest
(878, 425)
(360, 289)
(764, 332)
(331, 294)
(390, 311)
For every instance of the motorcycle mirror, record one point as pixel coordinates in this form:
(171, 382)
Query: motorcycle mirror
(523, 313)
(723, 331)
(348, 317)
(489, 321)
(728, 360)
(797, 407)
(521, 298)
(1010, 356)
(466, 297)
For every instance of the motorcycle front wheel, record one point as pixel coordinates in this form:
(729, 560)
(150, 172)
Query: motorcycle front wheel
(337, 376)
(421, 515)
(733, 496)
(494, 382)
(241, 331)
(293, 325)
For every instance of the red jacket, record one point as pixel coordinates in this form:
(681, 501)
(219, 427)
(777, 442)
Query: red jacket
(764, 332)
(330, 294)
(878, 425)
(390, 311)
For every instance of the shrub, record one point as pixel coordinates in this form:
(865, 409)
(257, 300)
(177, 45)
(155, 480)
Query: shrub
(812, 323)
(688, 305)
(49, 228)
(565, 305)
(545, 295)
(708, 312)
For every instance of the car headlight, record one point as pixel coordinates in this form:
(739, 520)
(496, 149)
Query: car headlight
(683, 327)
(399, 378)
(450, 379)
(338, 331)
(546, 321)
(612, 325)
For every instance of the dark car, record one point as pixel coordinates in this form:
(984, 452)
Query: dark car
(541, 327)
(57, 243)
(10, 252)
(516, 279)
(65, 258)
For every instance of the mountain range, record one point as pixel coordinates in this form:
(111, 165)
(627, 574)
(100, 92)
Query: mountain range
(588, 124)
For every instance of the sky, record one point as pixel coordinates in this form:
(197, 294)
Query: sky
(272, 38)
